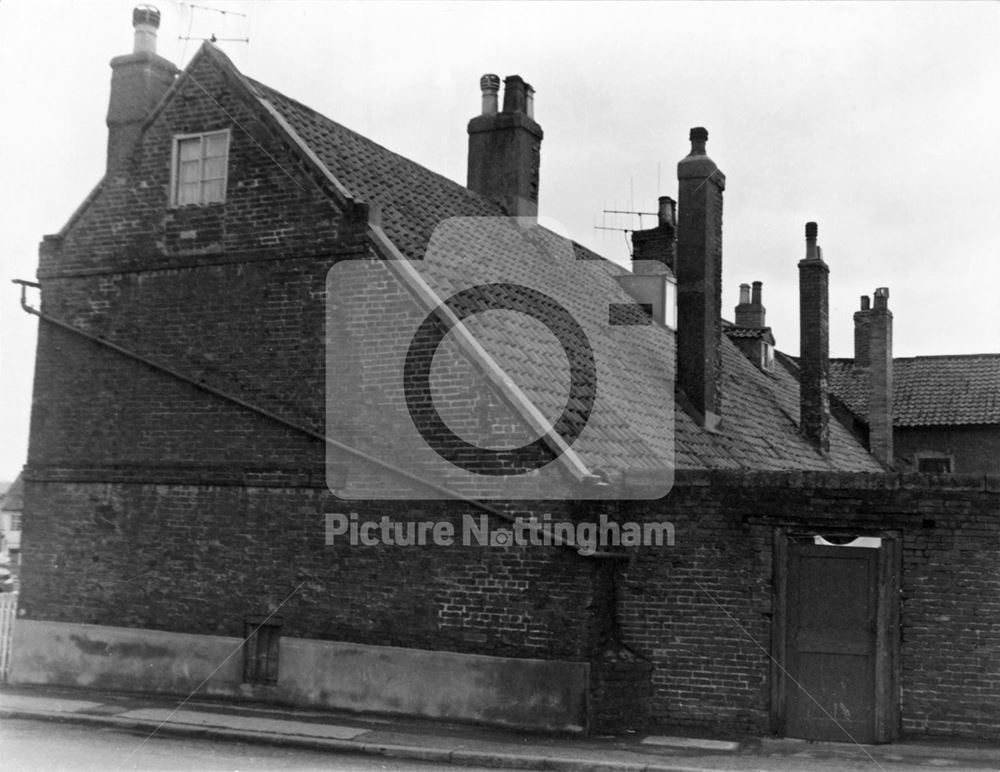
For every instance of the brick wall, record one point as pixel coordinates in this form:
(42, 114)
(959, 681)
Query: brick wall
(201, 558)
(696, 610)
(973, 449)
(155, 504)
(682, 624)
(150, 503)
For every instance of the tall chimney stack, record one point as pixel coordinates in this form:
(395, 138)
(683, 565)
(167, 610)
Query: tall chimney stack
(862, 333)
(505, 147)
(880, 379)
(138, 82)
(699, 280)
(814, 344)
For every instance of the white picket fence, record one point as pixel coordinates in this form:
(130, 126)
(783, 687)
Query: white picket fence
(8, 611)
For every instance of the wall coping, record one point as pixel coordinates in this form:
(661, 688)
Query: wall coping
(861, 481)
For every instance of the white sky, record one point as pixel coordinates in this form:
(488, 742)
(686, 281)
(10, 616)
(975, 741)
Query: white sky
(877, 120)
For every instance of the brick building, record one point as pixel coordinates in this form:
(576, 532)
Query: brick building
(946, 409)
(211, 389)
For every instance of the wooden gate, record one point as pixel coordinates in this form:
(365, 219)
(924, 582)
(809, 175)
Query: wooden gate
(836, 627)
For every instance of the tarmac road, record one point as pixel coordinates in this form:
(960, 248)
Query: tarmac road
(46, 745)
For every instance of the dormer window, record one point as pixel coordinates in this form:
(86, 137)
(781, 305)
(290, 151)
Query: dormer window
(200, 164)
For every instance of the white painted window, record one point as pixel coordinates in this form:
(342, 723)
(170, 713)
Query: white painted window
(670, 303)
(767, 357)
(200, 165)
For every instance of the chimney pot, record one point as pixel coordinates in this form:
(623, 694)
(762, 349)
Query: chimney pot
(145, 20)
(813, 252)
(667, 211)
(757, 287)
(698, 136)
(529, 101)
(882, 297)
(490, 85)
(515, 97)
(744, 293)
(862, 334)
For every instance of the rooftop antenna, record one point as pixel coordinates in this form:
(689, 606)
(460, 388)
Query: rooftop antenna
(617, 223)
(213, 38)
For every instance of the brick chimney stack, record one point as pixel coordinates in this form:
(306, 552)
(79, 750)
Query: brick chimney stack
(814, 344)
(880, 379)
(658, 244)
(652, 279)
(138, 82)
(699, 280)
(505, 147)
(862, 333)
(750, 312)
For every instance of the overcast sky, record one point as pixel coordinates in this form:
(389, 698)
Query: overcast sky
(877, 120)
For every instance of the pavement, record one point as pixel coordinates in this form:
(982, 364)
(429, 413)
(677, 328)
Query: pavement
(466, 745)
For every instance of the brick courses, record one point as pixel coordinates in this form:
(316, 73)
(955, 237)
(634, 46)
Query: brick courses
(153, 504)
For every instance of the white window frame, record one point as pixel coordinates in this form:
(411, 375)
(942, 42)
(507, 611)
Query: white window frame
(766, 356)
(175, 168)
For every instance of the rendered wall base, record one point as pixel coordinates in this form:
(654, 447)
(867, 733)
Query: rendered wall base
(529, 693)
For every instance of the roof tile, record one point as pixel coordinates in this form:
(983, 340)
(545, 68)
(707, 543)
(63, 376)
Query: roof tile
(760, 410)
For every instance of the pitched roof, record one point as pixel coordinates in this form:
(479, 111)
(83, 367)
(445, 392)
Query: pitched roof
(947, 390)
(13, 499)
(760, 410)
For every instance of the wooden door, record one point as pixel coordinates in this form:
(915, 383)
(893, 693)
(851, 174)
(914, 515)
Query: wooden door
(837, 677)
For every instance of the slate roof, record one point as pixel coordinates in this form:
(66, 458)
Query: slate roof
(13, 498)
(760, 410)
(948, 390)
